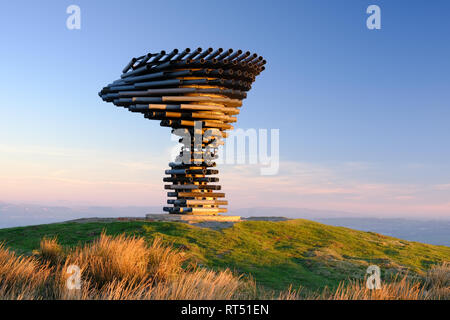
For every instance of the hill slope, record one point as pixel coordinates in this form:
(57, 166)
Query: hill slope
(276, 254)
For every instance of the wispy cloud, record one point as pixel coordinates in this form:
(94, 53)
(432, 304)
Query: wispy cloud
(103, 178)
(39, 150)
(334, 187)
(443, 187)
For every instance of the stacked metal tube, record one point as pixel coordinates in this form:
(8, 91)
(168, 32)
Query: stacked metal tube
(197, 93)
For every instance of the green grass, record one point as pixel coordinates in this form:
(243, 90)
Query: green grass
(276, 254)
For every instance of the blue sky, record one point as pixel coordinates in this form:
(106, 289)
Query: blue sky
(363, 114)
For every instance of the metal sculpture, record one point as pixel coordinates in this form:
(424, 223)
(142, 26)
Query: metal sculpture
(196, 93)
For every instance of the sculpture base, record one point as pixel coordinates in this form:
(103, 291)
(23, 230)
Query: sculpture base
(190, 217)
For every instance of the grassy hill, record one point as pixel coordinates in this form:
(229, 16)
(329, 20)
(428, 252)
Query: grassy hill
(276, 254)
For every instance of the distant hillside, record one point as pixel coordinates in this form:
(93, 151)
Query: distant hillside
(427, 231)
(276, 254)
(424, 230)
(13, 215)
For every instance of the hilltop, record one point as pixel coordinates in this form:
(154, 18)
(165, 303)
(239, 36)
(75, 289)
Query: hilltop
(275, 254)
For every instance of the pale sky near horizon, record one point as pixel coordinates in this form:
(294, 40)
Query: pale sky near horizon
(363, 114)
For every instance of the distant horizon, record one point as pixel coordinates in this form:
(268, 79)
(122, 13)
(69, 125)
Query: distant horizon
(426, 229)
(251, 210)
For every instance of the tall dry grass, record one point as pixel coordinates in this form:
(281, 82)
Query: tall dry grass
(113, 268)
(51, 251)
(434, 286)
(437, 282)
(200, 284)
(404, 289)
(108, 259)
(128, 268)
(21, 277)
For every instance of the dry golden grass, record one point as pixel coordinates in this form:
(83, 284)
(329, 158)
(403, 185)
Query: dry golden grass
(21, 277)
(108, 259)
(128, 268)
(396, 290)
(113, 268)
(437, 282)
(201, 284)
(435, 286)
(51, 251)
